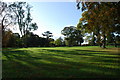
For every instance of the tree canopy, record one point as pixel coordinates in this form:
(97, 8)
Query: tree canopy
(100, 18)
(73, 36)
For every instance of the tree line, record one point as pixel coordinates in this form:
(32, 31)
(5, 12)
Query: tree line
(28, 40)
(33, 40)
(100, 25)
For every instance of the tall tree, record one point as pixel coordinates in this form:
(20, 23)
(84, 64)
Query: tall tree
(48, 34)
(67, 31)
(5, 21)
(7, 17)
(18, 8)
(100, 18)
(22, 11)
(78, 37)
(73, 36)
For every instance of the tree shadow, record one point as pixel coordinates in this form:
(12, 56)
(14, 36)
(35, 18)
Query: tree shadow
(75, 52)
(95, 58)
(21, 64)
(89, 53)
(81, 52)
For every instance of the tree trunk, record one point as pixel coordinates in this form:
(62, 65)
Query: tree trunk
(104, 41)
(77, 43)
(93, 39)
(80, 43)
(98, 40)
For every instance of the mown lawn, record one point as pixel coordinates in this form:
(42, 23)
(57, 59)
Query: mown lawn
(61, 62)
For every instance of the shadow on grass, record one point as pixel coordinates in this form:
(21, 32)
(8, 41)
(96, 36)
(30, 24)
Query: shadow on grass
(21, 64)
(97, 55)
(80, 52)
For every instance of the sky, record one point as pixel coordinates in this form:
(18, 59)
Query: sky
(54, 16)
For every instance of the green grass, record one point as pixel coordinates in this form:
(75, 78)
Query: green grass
(61, 62)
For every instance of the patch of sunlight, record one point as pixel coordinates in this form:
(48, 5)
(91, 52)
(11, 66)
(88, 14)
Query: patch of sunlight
(106, 65)
(61, 57)
(110, 66)
(84, 56)
(4, 57)
(104, 55)
(97, 71)
(103, 63)
(41, 52)
(113, 50)
(69, 59)
(46, 61)
(97, 63)
(50, 62)
(25, 63)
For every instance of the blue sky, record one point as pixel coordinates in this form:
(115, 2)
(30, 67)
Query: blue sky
(54, 16)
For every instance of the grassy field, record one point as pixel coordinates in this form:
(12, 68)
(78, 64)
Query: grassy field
(61, 62)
